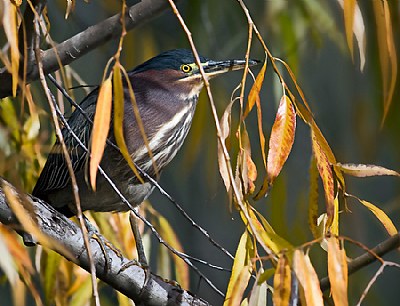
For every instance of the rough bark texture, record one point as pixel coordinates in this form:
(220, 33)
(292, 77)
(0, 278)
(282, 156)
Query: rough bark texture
(130, 281)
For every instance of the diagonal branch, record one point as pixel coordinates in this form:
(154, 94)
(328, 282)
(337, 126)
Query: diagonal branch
(133, 281)
(367, 258)
(87, 40)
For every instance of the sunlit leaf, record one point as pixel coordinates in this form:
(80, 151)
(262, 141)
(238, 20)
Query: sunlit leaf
(225, 123)
(282, 138)
(282, 282)
(381, 215)
(349, 11)
(70, 7)
(337, 272)
(254, 93)
(101, 126)
(241, 272)
(259, 292)
(334, 227)
(248, 167)
(313, 199)
(308, 278)
(361, 170)
(325, 172)
(11, 31)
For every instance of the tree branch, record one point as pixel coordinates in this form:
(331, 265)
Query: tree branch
(134, 281)
(367, 258)
(87, 40)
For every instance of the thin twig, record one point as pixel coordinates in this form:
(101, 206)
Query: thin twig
(68, 162)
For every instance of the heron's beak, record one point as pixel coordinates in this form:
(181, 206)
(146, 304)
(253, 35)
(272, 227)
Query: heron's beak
(214, 68)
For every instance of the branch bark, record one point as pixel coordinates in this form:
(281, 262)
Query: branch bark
(143, 287)
(367, 258)
(87, 40)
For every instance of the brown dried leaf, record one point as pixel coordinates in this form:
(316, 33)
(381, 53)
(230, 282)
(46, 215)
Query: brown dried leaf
(337, 272)
(101, 126)
(325, 172)
(282, 282)
(313, 199)
(307, 278)
(248, 167)
(360, 170)
(282, 138)
(225, 123)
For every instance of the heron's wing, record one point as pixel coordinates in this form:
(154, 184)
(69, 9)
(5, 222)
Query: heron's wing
(55, 173)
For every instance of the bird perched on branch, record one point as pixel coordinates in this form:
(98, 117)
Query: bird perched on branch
(166, 89)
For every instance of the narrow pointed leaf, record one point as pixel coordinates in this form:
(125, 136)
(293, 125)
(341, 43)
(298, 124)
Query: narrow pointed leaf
(10, 28)
(307, 278)
(240, 273)
(337, 272)
(254, 94)
(282, 138)
(101, 126)
(225, 123)
(381, 215)
(248, 167)
(313, 200)
(282, 282)
(259, 292)
(360, 170)
(349, 11)
(325, 172)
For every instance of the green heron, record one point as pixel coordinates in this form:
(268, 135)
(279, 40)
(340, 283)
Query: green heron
(166, 89)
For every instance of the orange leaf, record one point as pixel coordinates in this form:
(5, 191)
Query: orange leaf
(101, 126)
(307, 278)
(248, 167)
(337, 272)
(282, 282)
(254, 94)
(10, 29)
(282, 138)
(360, 170)
(325, 172)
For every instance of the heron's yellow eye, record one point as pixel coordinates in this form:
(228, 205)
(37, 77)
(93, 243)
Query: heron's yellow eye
(186, 68)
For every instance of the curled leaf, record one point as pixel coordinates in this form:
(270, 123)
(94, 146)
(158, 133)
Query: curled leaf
(225, 123)
(360, 170)
(101, 126)
(254, 94)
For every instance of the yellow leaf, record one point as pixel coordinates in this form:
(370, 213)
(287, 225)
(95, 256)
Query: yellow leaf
(101, 126)
(265, 232)
(241, 272)
(282, 282)
(325, 172)
(119, 109)
(349, 10)
(337, 272)
(308, 278)
(282, 138)
(381, 215)
(11, 31)
(334, 228)
(360, 170)
(254, 94)
(313, 199)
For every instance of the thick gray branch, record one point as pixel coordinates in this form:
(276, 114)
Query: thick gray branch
(87, 40)
(130, 281)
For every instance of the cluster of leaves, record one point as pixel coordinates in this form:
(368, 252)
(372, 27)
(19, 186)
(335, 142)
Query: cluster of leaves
(285, 257)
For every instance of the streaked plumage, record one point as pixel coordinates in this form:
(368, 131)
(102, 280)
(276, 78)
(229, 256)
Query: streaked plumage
(166, 97)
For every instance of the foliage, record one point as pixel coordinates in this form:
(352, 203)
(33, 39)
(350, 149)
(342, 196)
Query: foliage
(266, 259)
